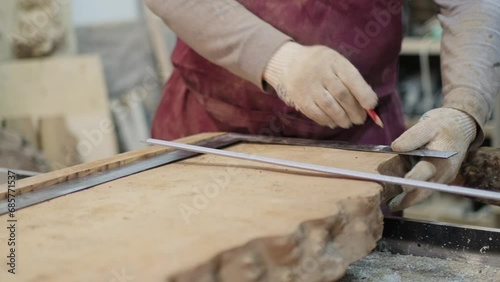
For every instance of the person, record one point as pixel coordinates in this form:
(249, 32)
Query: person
(311, 68)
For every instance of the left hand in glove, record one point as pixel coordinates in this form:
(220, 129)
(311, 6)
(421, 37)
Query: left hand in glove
(442, 129)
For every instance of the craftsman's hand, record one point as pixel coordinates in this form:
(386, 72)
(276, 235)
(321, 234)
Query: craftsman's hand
(443, 129)
(320, 83)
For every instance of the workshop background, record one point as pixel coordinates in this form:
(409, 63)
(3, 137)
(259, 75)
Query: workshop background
(80, 81)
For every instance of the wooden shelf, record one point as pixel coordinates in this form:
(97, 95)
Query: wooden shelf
(414, 45)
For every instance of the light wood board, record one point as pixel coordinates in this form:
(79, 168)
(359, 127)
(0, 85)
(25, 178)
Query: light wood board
(58, 145)
(273, 219)
(25, 127)
(73, 87)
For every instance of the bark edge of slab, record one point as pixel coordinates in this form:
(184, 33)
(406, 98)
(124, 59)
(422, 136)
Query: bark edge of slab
(318, 250)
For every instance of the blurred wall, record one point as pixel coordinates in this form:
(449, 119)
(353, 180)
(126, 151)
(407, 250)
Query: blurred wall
(94, 12)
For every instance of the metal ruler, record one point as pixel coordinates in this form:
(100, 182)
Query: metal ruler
(79, 184)
(338, 145)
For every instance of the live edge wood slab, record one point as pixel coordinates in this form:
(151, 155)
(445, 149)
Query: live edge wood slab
(206, 218)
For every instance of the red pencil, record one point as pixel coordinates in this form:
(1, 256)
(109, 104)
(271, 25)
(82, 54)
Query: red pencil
(376, 119)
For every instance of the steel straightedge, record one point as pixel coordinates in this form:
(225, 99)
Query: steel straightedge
(483, 194)
(339, 145)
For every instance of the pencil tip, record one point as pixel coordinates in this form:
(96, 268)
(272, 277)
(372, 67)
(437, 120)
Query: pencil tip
(379, 122)
(375, 118)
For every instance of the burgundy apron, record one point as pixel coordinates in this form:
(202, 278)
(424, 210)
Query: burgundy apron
(203, 97)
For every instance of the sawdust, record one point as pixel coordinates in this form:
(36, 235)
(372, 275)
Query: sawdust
(386, 267)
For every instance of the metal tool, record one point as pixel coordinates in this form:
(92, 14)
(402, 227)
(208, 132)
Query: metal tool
(437, 240)
(338, 145)
(483, 194)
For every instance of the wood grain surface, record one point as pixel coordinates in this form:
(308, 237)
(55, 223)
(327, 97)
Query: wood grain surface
(207, 218)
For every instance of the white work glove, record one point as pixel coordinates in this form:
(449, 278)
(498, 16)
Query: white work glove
(321, 84)
(442, 129)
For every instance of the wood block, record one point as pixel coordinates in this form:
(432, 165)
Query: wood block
(208, 218)
(481, 170)
(72, 87)
(24, 126)
(17, 153)
(57, 143)
(495, 139)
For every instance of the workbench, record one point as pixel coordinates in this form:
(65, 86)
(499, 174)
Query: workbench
(199, 218)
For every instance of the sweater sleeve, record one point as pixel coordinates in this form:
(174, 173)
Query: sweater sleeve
(223, 32)
(470, 57)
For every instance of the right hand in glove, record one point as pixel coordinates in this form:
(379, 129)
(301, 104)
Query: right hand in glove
(320, 83)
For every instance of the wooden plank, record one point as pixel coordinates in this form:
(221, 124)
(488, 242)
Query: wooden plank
(73, 87)
(415, 45)
(208, 219)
